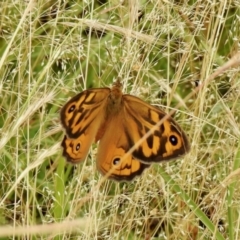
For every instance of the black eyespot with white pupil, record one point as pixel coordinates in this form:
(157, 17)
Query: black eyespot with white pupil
(116, 161)
(72, 108)
(78, 147)
(173, 140)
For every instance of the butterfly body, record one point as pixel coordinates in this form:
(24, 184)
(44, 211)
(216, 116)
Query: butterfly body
(118, 121)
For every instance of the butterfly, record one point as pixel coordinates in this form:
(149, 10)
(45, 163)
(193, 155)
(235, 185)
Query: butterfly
(118, 121)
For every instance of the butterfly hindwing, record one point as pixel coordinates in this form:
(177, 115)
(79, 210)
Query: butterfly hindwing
(111, 156)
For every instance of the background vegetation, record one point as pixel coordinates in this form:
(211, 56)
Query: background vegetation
(163, 51)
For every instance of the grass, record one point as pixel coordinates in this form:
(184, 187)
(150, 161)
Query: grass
(164, 52)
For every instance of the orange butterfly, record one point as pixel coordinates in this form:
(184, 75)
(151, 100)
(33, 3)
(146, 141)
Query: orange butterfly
(118, 121)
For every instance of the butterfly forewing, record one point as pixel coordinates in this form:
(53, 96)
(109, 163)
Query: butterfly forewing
(166, 142)
(81, 117)
(80, 111)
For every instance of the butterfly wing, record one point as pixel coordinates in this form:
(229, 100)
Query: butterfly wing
(167, 142)
(112, 147)
(73, 150)
(81, 118)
